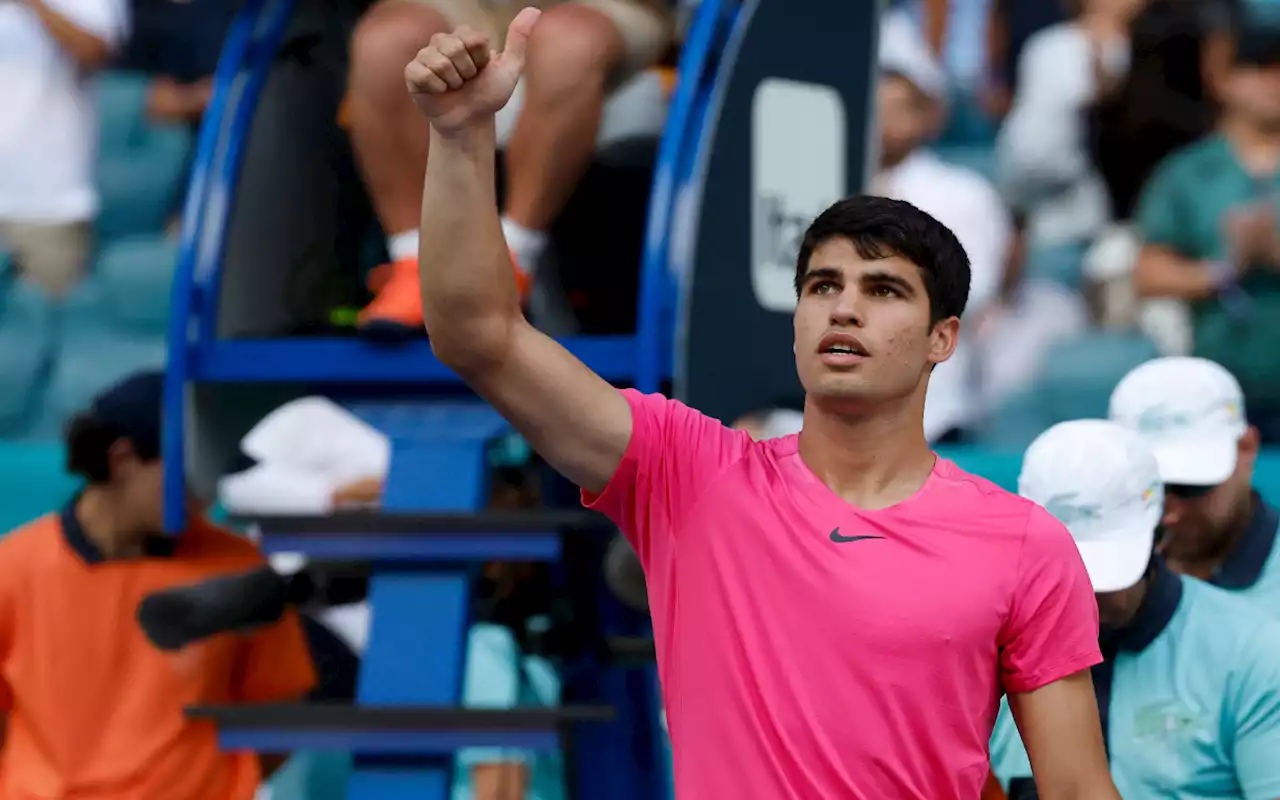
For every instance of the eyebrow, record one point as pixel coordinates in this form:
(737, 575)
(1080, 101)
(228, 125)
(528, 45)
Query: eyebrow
(876, 278)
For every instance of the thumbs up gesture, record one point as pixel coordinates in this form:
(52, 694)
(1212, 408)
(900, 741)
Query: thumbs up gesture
(457, 81)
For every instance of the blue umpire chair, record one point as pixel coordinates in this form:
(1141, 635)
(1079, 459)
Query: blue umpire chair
(263, 257)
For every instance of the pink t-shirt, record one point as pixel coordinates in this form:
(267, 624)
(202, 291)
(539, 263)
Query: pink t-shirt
(797, 662)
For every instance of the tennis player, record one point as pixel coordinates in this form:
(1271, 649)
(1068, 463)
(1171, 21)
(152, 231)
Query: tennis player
(837, 613)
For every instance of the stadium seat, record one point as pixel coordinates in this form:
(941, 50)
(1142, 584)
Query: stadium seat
(92, 353)
(136, 274)
(6, 264)
(35, 481)
(1078, 375)
(140, 164)
(1014, 423)
(26, 342)
(1060, 263)
(980, 158)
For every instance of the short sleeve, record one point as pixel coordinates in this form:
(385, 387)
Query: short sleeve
(1052, 626)
(106, 19)
(1255, 704)
(1009, 759)
(1158, 218)
(675, 452)
(275, 664)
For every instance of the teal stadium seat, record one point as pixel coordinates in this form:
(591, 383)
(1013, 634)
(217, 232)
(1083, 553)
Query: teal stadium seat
(980, 158)
(6, 264)
(26, 344)
(135, 274)
(141, 165)
(1078, 376)
(93, 353)
(35, 481)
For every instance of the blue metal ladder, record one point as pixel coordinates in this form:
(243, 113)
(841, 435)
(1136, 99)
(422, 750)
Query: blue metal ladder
(408, 723)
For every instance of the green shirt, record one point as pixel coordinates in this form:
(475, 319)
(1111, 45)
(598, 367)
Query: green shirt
(1184, 208)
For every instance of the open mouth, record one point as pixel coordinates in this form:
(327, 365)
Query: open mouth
(842, 345)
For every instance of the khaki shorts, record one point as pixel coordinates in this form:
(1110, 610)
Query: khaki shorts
(52, 255)
(645, 29)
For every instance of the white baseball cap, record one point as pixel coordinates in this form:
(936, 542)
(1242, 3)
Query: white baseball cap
(1101, 481)
(1190, 411)
(904, 51)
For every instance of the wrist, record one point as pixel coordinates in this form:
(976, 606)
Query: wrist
(1221, 274)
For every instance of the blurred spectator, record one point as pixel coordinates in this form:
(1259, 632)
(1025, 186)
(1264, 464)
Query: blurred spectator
(1208, 219)
(911, 108)
(579, 52)
(92, 709)
(49, 50)
(1011, 24)
(1044, 163)
(1167, 99)
(177, 43)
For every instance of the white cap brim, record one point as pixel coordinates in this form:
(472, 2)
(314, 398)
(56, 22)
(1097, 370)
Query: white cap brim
(1120, 558)
(1196, 463)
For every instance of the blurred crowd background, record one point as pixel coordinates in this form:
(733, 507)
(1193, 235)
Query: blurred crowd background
(1111, 166)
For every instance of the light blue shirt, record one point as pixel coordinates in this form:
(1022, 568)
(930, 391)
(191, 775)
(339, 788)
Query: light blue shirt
(1194, 712)
(499, 675)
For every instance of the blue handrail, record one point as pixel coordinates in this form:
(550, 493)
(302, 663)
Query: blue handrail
(243, 66)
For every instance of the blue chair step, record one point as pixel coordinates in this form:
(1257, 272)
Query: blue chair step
(392, 730)
(435, 538)
(345, 361)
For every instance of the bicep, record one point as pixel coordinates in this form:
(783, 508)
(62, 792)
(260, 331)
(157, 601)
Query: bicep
(1061, 732)
(571, 416)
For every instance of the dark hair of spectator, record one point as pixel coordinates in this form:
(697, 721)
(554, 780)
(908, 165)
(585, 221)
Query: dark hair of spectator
(88, 443)
(881, 228)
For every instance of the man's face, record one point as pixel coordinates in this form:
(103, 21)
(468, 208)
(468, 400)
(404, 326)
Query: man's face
(862, 329)
(1254, 93)
(906, 116)
(1196, 518)
(139, 486)
(1117, 609)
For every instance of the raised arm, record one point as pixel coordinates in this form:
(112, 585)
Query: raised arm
(578, 422)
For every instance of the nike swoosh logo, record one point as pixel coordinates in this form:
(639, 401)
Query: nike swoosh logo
(838, 539)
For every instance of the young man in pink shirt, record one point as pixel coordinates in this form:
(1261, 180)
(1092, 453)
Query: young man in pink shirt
(837, 613)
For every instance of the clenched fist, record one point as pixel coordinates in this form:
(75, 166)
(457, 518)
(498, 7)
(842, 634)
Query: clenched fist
(457, 81)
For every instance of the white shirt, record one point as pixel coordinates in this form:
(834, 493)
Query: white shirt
(969, 205)
(1043, 162)
(48, 112)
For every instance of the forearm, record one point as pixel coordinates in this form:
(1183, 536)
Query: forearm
(1162, 273)
(88, 50)
(469, 296)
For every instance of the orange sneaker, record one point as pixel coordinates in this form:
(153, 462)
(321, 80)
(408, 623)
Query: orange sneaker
(395, 314)
(396, 311)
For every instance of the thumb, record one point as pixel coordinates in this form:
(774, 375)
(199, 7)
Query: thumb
(518, 36)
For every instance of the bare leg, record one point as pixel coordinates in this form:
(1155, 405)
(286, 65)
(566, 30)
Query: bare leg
(573, 51)
(388, 134)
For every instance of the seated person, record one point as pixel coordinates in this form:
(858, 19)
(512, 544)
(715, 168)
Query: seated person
(90, 708)
(177, 46)
(1189, 691)
(49, 53)
(579, 51)
(1210, 223)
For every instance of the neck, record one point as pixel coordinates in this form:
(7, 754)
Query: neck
(871, 460)
(1119, 609)
(1258, 148)
(103, 526)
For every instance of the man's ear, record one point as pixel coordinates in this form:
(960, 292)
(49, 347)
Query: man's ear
(943, 339)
